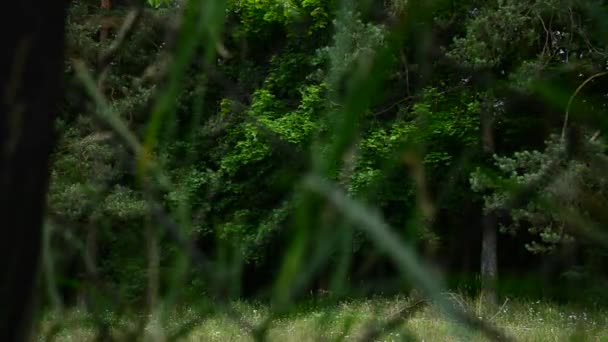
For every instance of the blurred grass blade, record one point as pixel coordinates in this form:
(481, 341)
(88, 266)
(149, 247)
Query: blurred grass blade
(203, 20)
(405, 258)
(104, 110)
(371, 222)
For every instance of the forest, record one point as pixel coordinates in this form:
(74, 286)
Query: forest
(304, 170)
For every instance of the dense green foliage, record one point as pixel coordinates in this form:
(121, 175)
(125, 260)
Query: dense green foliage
(236, 122)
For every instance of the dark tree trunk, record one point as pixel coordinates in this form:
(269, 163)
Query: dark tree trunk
(489, 262)
(104, 34)
(31, 68)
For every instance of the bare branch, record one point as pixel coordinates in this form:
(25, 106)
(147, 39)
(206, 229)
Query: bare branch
(127, 28)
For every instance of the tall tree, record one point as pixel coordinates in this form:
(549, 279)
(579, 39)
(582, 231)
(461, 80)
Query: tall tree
(30, 69)
(489, 238)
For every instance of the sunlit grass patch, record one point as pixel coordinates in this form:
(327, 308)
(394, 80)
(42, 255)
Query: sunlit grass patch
(351, 319)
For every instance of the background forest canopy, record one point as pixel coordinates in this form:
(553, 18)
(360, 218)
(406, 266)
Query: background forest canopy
(265, 149)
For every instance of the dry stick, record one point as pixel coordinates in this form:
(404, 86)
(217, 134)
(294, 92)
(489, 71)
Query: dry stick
(407, 73)
(158, 70)
(391, 106)
(152, 245)
(374, 332)
(580, 87)
(105, 59)
(49, 269)
(546, 48)
(572, 27)
(499, 309)
(126, 29)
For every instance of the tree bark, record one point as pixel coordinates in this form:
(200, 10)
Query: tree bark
(31, 68)
(489, 262)
(489, 243)
(104, 33)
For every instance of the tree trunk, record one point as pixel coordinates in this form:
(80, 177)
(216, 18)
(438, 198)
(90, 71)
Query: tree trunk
(31, 67)
(153, 266)
(489, 262)
(104, 33)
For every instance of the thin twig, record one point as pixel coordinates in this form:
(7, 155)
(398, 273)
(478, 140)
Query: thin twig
(499, 310)
(391, 106)
(580, 87)
(546, 48)
(373, 332)
(126, 29)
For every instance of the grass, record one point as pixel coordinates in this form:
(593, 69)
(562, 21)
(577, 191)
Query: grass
(348, 320)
